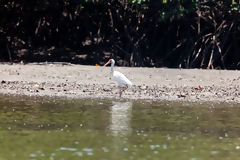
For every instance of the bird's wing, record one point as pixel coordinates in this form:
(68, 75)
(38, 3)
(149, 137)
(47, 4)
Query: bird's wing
(121, 79)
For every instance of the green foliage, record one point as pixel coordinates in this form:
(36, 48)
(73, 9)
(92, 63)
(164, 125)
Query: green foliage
(189, 34)
(137, 1)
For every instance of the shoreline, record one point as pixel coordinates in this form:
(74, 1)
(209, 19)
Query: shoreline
(158, 84)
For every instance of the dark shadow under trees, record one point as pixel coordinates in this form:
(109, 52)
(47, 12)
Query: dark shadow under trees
(186, 34)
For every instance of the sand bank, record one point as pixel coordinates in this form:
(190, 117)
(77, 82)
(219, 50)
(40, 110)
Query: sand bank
(78, 81)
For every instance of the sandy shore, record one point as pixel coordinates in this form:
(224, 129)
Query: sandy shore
(78, 81)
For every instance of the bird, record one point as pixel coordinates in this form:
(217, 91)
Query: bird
(121, 79)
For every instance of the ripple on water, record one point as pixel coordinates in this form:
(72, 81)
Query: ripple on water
(154, 146)
(80, 154)
(32, 155)
(152, 135)
(194, 158)
(105, 149)
(164, 146)
(89, 151)
(67, 149)
(214, 152)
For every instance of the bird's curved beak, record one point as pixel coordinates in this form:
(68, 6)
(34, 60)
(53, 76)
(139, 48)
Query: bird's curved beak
(107, 63)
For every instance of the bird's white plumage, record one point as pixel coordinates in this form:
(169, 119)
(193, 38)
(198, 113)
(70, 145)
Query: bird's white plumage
(121, 79)
(118, 76)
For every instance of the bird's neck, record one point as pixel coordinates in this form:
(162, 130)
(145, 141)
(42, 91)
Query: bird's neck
(112, 67)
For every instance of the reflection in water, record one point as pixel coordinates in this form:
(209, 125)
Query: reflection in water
(120, 118)
(76, 129)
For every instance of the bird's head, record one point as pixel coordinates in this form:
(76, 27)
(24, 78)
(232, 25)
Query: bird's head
(110, 61)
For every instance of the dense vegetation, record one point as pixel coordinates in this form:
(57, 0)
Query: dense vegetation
(180, 33)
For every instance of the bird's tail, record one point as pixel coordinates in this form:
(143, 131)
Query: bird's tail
(130, 84)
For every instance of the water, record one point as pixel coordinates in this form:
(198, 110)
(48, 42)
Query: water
(48, 129)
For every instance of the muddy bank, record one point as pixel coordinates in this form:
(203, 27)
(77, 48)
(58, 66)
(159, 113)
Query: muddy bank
(78, 81)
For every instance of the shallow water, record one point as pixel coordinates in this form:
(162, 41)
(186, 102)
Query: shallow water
(41, 129)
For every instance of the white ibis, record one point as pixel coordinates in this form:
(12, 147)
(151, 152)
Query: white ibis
(119, 77)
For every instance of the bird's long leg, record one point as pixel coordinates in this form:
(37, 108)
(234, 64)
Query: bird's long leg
(125, 87)
(120, 91)
(120, 95)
